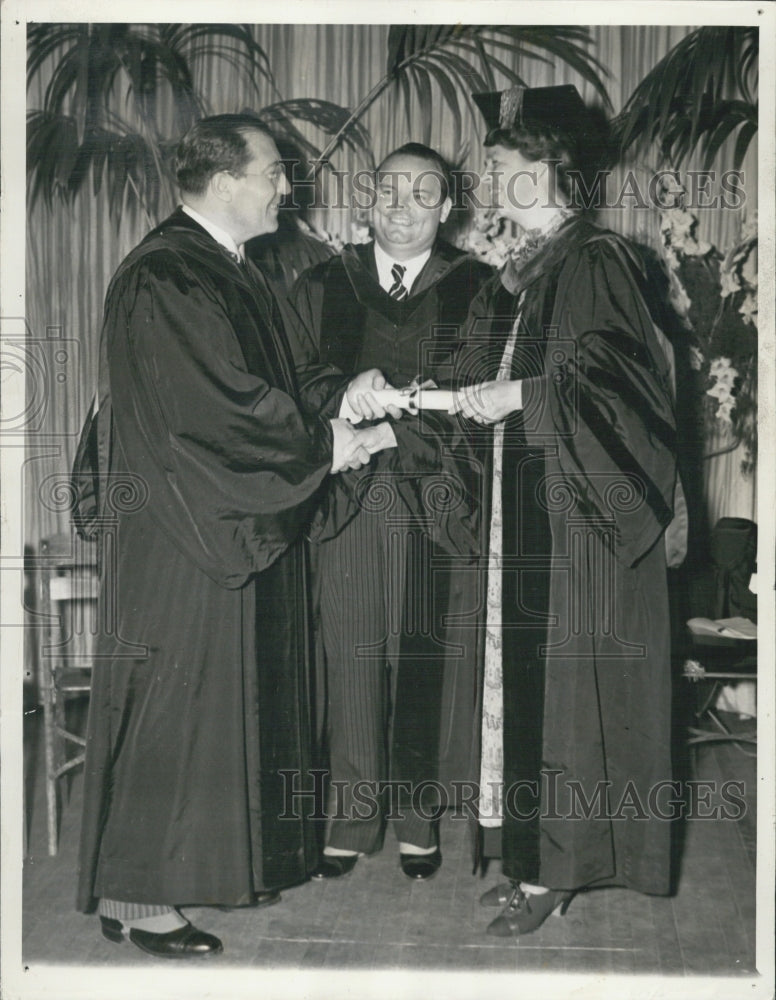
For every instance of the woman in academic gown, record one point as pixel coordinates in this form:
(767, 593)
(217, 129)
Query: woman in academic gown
(565, 365)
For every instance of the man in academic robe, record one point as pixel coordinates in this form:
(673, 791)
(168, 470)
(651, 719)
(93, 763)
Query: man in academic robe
(213, 456)
(398, 582)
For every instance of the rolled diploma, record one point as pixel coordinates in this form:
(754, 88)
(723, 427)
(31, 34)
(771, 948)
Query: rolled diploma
(419, 399)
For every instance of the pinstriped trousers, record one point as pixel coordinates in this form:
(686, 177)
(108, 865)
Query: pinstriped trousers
(362, 573)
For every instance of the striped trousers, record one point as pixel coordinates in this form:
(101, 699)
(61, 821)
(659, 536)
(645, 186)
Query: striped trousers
(362, 599)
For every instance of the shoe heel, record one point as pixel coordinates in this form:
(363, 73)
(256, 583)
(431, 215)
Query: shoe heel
(113, 930)
(563, 905)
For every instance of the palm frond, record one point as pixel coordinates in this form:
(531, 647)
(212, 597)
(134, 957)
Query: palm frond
(729, 116)
(43, 40)
(421, 55)
(687, 100)
(567, 44)
(106, 89)
(329, 117)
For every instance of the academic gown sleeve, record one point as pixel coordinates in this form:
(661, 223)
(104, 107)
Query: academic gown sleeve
(431, 471)
(606, 404)
(321, 385)
(231, 464)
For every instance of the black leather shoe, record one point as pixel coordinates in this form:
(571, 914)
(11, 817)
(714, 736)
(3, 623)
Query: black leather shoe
(184, 942)
(264, 898)
(335, 865)
(421, 867)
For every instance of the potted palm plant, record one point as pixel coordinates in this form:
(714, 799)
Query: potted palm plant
(701, 94)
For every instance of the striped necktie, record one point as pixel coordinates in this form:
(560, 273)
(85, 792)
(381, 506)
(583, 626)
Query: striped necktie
(397, 290)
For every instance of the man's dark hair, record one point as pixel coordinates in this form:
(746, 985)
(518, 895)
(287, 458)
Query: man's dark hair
(436, 162)
(213, 144)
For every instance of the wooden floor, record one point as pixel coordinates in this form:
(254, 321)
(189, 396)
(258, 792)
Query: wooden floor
(376, 919)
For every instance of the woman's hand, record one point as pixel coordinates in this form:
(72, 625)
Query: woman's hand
(489, 402)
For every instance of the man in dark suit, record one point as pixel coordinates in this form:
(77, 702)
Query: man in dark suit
(400, 681)
(200, 402)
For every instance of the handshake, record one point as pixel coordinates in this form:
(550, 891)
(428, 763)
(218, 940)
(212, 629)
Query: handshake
(352, 448)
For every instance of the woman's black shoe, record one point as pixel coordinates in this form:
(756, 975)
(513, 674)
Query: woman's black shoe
(499, 895)
(525, 912)
(184, 942)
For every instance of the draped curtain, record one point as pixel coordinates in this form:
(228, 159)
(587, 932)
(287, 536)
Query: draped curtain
(71, 252)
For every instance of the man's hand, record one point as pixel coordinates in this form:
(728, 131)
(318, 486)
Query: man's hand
(489, 402)
(361, 401)
(378, 437)
(348, 450)
(353, 448)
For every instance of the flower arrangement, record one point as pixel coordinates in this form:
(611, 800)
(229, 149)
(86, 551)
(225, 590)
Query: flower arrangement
(716, 296)
(486, 240)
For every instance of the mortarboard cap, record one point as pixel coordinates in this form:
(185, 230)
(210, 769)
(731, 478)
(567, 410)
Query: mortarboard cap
(551, 107)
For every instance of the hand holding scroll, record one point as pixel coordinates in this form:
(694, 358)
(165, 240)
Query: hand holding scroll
(362, 400)
(489, 402)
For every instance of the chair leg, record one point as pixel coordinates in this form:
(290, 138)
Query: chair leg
(728, 735)
(725, 734)
(49, 738)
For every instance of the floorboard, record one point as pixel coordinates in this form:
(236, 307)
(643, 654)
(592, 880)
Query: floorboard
(376, 919)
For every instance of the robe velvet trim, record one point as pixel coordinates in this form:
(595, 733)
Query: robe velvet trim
(201, 687)
(594, 451)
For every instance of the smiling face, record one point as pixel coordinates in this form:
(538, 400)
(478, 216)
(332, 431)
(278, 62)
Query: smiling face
(517, 184)
(255, 195)
(409, 207)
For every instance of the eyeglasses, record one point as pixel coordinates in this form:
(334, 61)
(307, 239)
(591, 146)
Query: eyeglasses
(274, 174)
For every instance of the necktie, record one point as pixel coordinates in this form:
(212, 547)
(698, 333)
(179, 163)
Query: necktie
(235, 257)
(397, 290)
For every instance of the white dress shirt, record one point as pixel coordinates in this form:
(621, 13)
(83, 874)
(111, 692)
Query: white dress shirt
(412, 267)
(219, 235)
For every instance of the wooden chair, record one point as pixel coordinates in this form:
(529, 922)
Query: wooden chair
(723, 647)
(68, 587)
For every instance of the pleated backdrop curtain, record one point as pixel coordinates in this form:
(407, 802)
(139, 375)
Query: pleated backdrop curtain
(73, 251)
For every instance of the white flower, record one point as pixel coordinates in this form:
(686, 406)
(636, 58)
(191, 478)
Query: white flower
(729, 283)
(749, 308)
(725, 410)
(679, 298)
(719, 366)
(321, 234)
(670, 191)
(676, 225)
(724, 376)
(359, 232)
(485, 241)
(696, 358)
(748, 268)
(749, 229)
(720, 391)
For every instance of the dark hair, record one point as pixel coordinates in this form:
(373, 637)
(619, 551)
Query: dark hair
(537, 144)
(583, 149)
(213, 144)
(421, 152)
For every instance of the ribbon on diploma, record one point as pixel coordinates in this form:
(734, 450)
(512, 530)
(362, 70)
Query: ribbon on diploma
(413, 399)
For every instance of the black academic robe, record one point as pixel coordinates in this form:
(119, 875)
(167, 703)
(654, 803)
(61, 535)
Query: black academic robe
(434, 474)
(589, 474)
(200, 691)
